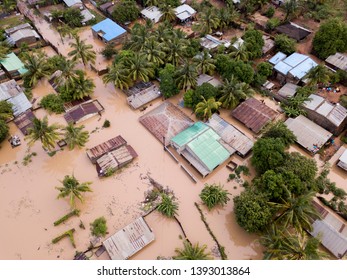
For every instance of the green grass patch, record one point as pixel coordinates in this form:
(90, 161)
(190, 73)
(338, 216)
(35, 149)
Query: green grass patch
(12, 21)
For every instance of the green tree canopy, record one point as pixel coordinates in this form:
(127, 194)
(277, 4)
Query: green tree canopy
(253, 39)
(168, 85)
(75, 136)
(206, 108)
(279, 130)
(264, 69)
(6, 111)
(285, 44)
(167, 206)
(125, 10)
(3, 130)
(213, 195)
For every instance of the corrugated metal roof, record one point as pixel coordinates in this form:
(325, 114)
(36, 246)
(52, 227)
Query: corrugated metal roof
(9, 89)
(12, 63)
(295, 59)
(129, 240)
(70, 3)
(330, 238)
(309, 135)
(294, 31)
(230, 135)
(87, 15)
(24, 121)
(110, 29)
(143, 97)
(20, 104)
(239, 42)
(189, 134)
(338, 60)
(313, 102)
(23, 33)
(343, 157)
(303, 68)
(204, 78)
(282, 67)
(325, 108)
(210, 42)
(152, 13)
(277, 58)
(18, 27)
(288, 90)
(254, 114)
(184, 12)
(83, 111)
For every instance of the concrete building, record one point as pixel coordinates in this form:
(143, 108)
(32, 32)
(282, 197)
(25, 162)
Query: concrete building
(109, 31)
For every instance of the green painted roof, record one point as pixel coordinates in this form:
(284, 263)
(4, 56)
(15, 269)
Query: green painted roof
(12, 63)
(202, 141)
(189, 134)
(207, 148)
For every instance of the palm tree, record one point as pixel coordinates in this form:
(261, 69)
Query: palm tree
(241, 53)
(168, 13)
(192, 252)
(139, 67)
(68, 73)
(296, 247)
(64, 30)
(149, 3)
(187, 76)
(82, 51)
(272, 240)
(175, 49)
(73, 189)
(213, 195)
(163, 32)
(80, 87)
(118, 76)
(204, 63)
(152, 49)
(75, 136)
(168, 207)
(296, 211)
(9, 5)
(37, 67)
(47, 134)
(290, 8)
(206, 108)
(318, 75)
(139, 34)
(6, 111)
(207, 21)
(233, 91)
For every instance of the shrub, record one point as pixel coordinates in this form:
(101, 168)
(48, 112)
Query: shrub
(343, 100)
(99, 227)
(109, 51)
(53, 103)
(213, 195)
(3, 130)
(272, 23)
(270, 12)
(106, 124)
(285, 44)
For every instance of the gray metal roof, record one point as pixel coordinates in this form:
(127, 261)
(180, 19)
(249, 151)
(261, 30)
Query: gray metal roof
(153, 13)
(313, 102)
(71, 3)
(309, 135)
(288, 90)
(230, 134)
(20, 104)
(338, 60)
(331, 239)
(87, 15)
(343, 160)
(210, 42)
(204, 78)
(18, 27)
(184, 12)
(21, 34)
(9, 89)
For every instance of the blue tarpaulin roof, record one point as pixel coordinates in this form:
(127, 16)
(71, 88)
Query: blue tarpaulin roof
(110, 29)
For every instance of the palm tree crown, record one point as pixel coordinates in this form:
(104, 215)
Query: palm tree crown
(75, 136)
(206, 108)
(192, 252)
(139, 67)
(37, 67)
(118, 76)
(82, 51)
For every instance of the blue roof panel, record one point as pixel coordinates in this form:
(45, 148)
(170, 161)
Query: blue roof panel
(110, 29)
(303, 68)
(295, 59)
(277, 58)
(282, 67)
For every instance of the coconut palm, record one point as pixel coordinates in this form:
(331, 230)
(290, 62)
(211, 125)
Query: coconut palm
(296, 211)
(68, 73)
(82, 51)
(168, 207)
(192, 252)
(163, 32)
(73, 189)
(80, 87)
(187, 76)
(75, 136)
(291, 8)
(37, 67)
(9, 5)
(241, 53)
(204, 63)
(139, 67)
(319, 74)
(233, 91)
(139, 34)
(41, 130)
(152, 49)
(213, 195)
(272, 240)
(207, 21)
(206, 108)
(149, 3)
(64, 30)
(118, 76)
(168, 13)
(175, 49)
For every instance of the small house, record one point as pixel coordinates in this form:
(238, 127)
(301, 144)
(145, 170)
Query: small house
(13, 66)
(337, 61)
(83, 111)
(109, 31)
(293, 31)
(269, 44)
(87, 16)
(254, 114)
(73, 4)
(342, 162)
(204, 78)
(332, 117)
(24, 121)
(142, 93)
(209, 42)
(185, 13)
(287, 91)
(309, 135)
(23, 33)
(152, 13)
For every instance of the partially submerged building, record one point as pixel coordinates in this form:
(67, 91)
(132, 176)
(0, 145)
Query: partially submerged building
(331, 230)
(115, 160)
(292, 68)
(333, 117)
(254, 114)
(269, 44)
(201, 146)
(337, 61)
(288, 90)
(184, 13)
(23, 33)
(109, 31)
(83, 111)
(11, 92)
(87, 16)
(13, 66)
(309, 135)
(96, 152)
(293, 31)
(209, 42)
(152, 13)
(142, 93)
(25, 121)
(342, 162)
(204, 78)
(165, 121)
(129, 240)
(230, 135)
